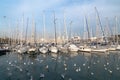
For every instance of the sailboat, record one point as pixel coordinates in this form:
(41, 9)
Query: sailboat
(53, 48)
(73, 48)
(100, 48)
(32, 49)
(64, 47)
(86, 48)
(43, 49)
(22, 49)
(118, 47)
(112, 46)
(117, 38)
(3, 48)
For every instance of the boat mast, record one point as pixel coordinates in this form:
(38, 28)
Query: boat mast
(70, 29)
(84, 31)
(33, 32)
(65, 29)
(116, 28)
(9, 34)
(55, 28)
(44, 27)
(100, 24)
(88, 32)
(26, 31)
(21, 43)
(107, 33)
(107, 28)
(17, 32)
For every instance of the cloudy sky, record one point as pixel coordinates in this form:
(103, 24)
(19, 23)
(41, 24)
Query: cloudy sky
(74, 10)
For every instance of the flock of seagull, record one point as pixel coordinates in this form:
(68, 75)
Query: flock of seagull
(47, 63)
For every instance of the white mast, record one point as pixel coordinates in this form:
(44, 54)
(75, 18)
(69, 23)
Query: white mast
(85, 32)
(33, 32)
(26, 31)
(44, 27)
(70, 29)
(65, 29)
(55, 28)
(22, 28)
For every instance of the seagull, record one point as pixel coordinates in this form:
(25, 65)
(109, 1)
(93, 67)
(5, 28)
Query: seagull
(24, 63)
(65, 68)
(117, 68)
(9, 62)
(92, 73)
(63, 76)
(42, 75)
(84, 64)
(31, 62)
(74, 64)
(77, 70)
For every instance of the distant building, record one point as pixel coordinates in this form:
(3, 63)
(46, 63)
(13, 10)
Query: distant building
(75, 39)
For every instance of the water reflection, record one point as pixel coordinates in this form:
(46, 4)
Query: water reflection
(52, 66)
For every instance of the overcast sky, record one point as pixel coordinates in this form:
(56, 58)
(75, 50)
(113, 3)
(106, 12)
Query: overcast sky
(74, 10)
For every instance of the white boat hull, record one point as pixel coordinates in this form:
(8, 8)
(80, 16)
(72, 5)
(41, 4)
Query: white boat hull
(73, 48)
(43, 50)
(118, 47)
(53, 49)
(22, 50)
(99, 50)
(32, 50)
(85, 50)
(112, 49)
(63, 50)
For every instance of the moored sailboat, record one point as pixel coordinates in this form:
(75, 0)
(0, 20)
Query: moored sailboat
(73, 48)
(43, 49)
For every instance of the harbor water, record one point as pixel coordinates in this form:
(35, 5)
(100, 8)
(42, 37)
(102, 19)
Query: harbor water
(52, 66)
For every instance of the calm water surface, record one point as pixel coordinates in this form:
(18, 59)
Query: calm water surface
(77, 66)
